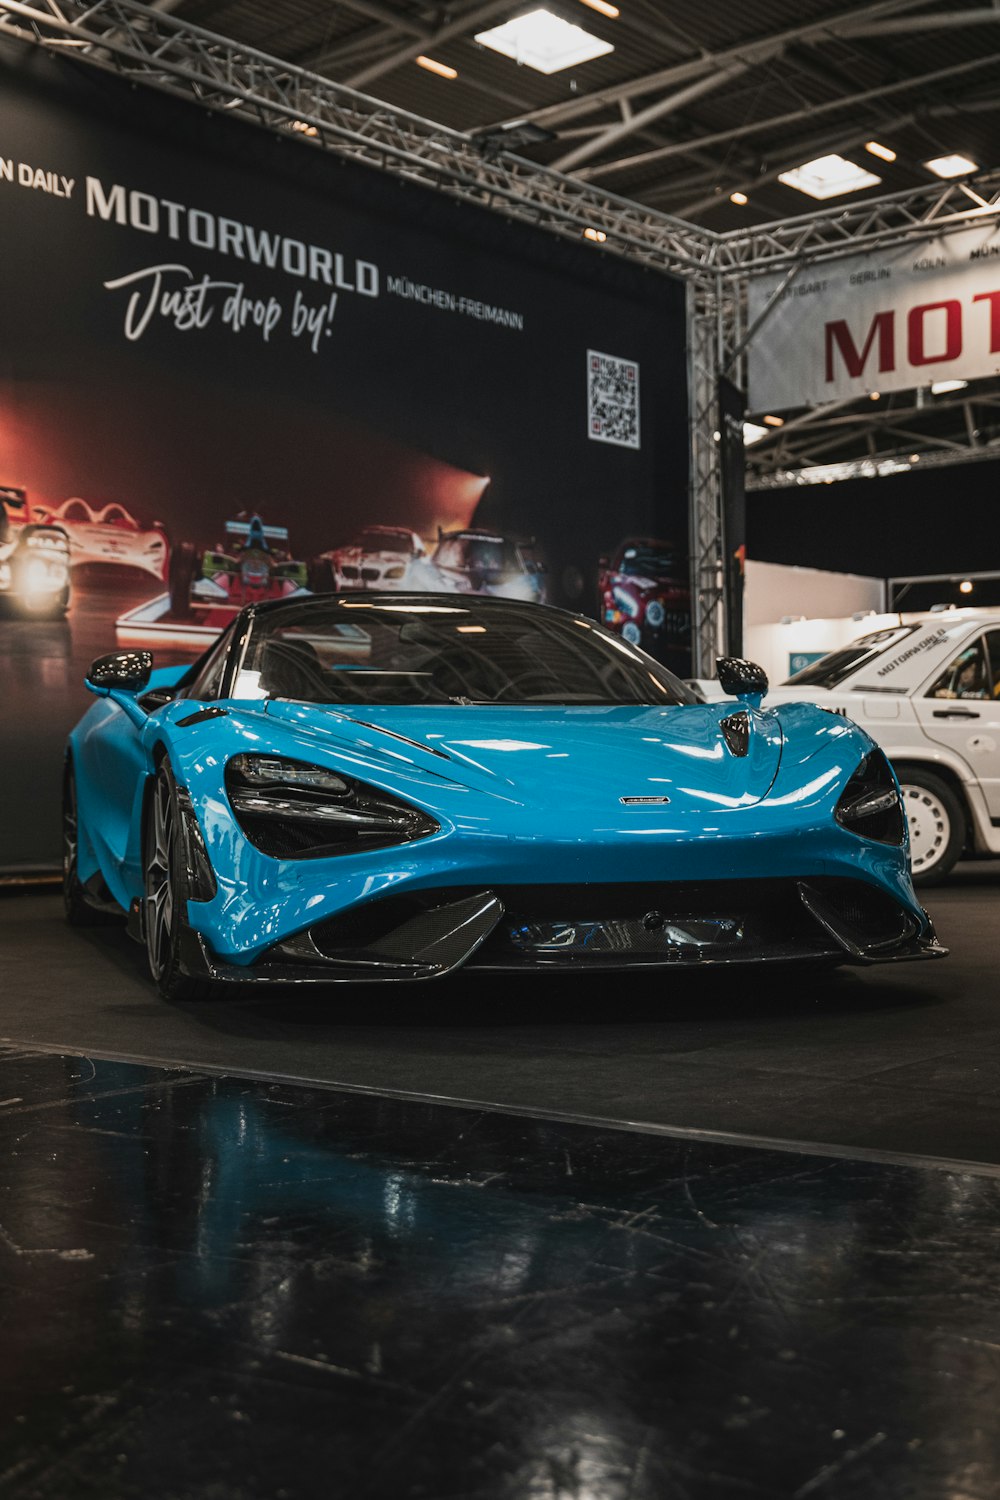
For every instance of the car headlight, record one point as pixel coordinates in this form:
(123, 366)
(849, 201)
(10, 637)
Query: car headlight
(627, 603)
(291, 809)
(870, 804)
(396, 571)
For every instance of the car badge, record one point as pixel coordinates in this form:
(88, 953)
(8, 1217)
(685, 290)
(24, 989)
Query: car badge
(644, 801)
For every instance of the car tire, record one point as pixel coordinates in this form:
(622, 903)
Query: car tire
(79, 911)
(181, 574)
(164, 893)
(936, 821)
(321, 576)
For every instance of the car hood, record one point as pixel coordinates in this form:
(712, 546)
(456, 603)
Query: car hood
(357, 554)
(645, 583)
(591, 756)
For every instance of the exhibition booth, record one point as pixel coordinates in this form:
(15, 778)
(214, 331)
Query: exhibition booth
(499, 819)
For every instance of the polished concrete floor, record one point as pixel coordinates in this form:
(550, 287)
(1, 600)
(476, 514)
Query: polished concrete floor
(221, 1289)
(895, 1059)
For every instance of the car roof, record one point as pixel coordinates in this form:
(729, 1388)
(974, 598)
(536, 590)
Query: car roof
(972, 613)
(475, 533)
(374, 598)
(914, 648)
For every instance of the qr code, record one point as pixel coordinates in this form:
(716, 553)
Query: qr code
(612, 399)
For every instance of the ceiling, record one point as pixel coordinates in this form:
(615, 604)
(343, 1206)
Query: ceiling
(696, 101)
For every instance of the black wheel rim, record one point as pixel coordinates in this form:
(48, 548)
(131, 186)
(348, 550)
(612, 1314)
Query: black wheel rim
(159, 884)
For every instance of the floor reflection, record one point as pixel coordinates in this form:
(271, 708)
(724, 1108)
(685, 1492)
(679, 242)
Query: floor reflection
(215, 1287)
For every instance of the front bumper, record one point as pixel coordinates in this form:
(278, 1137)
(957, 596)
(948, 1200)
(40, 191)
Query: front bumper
(824, 921)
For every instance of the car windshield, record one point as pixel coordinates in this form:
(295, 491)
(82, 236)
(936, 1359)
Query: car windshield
(353, 652)
(645, 561)
(385, 541)
(477, 554)
(831, 669)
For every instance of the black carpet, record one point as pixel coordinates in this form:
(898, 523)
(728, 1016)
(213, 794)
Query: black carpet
(895, 1059)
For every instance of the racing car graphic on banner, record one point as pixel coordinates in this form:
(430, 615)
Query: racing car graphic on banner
(109, 534)
(34, 560)
(643, 595)
(252, 563)
(379, 557)
(475, 561)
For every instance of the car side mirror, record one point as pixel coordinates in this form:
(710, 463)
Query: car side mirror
(128, 671)
(742, 679)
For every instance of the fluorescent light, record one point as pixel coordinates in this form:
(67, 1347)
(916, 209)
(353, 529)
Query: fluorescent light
(752, 433)
(739, 198)
(941, 387)
(441, 69)
(951, 166)
(604, 9)
(544, 41)
(829, 176)
(774, 421)
(597, 235)
(885, 153)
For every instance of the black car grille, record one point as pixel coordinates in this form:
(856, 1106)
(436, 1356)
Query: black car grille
(611, 925)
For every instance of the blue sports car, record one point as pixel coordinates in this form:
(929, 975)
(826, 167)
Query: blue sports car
(391, 786)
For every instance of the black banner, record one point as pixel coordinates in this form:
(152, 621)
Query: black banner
(215, 342)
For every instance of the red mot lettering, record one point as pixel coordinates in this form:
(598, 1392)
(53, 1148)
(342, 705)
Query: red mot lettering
(993, 298)
(883, 327)
(940, 344)
(916, 351)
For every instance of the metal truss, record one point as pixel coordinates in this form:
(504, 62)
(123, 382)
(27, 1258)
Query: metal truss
(875, 224)
(705, 530)
(847, 441)
(160, 51)
(152, 47)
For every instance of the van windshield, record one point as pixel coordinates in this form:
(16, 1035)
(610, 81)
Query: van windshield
(832, 669)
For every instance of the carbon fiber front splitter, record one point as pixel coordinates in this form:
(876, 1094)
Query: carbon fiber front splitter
(466, 932)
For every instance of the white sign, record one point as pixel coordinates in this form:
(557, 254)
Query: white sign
(887, 321)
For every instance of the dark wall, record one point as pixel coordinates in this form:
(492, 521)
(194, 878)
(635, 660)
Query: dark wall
(932, 521)
(405, 414)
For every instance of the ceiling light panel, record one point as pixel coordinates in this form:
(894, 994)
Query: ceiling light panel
(828, 177)
(951, 166)
(431, 65)
(544, 41)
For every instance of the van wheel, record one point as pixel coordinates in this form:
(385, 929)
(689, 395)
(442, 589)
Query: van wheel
(936, 821)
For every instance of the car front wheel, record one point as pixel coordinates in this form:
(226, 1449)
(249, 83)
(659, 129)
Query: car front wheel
(936, 821)
(165, 893)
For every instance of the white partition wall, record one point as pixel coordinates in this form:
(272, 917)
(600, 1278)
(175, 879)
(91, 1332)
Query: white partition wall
(793, 615)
